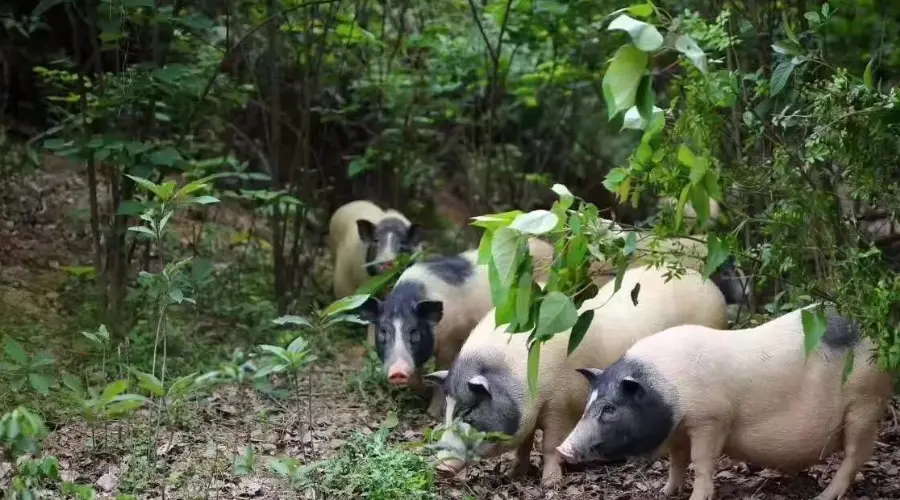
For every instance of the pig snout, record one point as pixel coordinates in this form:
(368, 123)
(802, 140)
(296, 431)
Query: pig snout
(400, 374)
(568, 453)
(384, 266)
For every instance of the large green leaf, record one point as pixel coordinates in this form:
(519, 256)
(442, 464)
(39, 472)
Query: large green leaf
(345, 304)
(505, 252)
(620, 83)
(645, 36)
(534, 363)
(557, 314)
(716, 254)
(535, 222)
(780, 76)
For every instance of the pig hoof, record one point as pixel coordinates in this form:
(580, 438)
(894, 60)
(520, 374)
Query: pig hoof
(552, 479)
(518, 469)
(669, 489)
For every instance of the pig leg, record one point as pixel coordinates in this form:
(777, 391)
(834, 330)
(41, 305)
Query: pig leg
(860, 431)
(556, 428)
(679, 458)
(706, 446)
(522, 460)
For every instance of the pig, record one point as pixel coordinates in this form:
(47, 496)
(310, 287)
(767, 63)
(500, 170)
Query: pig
(365, 240)
(431, 310)
(690, 215)
(487, 389)
(697, 392)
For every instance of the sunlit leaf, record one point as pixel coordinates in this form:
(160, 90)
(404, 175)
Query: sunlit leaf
(620, 82)
(535, 222)
(716, 254)
(557, 314)
(687, 46)
(645, 36)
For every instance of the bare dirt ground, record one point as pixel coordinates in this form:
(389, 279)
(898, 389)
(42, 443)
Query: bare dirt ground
(39, 236)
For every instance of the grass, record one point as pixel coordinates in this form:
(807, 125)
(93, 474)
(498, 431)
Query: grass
(368, 466)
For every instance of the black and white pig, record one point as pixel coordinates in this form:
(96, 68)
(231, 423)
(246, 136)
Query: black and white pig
(431, 310)
(486, 388)
(365, 240)
(697, 392)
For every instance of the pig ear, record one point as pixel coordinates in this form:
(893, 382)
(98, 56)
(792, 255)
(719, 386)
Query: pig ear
(414, 235)
(366, 230)
(591, 374)
(436, 378)
(369, 309)
(479, 385)
(631, 387)
(430, 310)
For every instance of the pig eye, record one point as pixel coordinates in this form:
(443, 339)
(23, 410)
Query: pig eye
(414, 336)
(607, 411)
(382, 333)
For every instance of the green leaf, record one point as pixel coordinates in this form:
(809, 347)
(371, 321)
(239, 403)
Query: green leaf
(868, 77)
(699, 170)
(523, 298)
(813, 17)
(44, 6)
(496, 221)
(640, 10)
(557, 314)
(535, 222)
(113, 389)
(814, 325)
(620, 82)
(205, 200)
(630, 243)
(390, 421)
(686, 156)
(40, 383)
(505, 252)
(176, 295)
(534, 363)
(645, 36)
(716, 254)
(149, 382)
(292, 320)
(565, 196)
(297, 345)
(142, 229)
(166, 156)
(73, 383)
(633, 120)
(849, 362)
(484, 248)
(144, 183)
(345, 304)
(711, 183)
(786, 26)
(780, 76)
(579, 330)
(687, 46)
(15, 351)
(644, 99)
(700, 203)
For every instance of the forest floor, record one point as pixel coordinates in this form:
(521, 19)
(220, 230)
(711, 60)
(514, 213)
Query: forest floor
(45, 231)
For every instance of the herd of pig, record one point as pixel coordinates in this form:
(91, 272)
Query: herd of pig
(662, 374)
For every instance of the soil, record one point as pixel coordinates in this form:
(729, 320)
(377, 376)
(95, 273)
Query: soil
(42, 236)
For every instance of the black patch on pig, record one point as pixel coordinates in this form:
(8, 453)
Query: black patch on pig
(630, 417)
(417, 322)
(731, 282)
(375, 237)
(454, 270)
(493, 411)
(841, 332)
